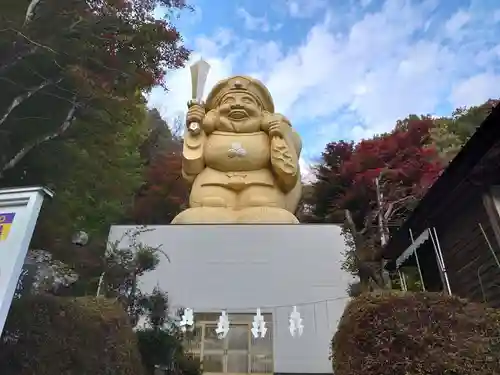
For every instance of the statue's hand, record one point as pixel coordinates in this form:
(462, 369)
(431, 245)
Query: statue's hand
(275, 124)
(278, 128)
(194, 118)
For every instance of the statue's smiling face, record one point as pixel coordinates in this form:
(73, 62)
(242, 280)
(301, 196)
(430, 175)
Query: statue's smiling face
(240, 111)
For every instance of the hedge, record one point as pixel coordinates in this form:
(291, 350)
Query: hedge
(413, 334)
(47, 335)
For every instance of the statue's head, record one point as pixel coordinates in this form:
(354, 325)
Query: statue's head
(241, 103)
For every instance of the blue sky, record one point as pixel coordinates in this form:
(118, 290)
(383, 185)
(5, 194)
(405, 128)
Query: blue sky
(346, 69)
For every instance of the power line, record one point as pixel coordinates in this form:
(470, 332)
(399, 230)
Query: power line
(268, 307)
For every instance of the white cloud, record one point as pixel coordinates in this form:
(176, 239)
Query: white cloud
(253, 22)
(269, 53)
(305, 8)
(358, 133)
(306, 171)
(174, 102)
(379, 75)
(377, 71)
(475, 90)
(487, 57)
(212, 45)
(457, 22)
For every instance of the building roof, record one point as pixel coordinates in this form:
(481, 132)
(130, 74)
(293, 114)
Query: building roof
(484, 139)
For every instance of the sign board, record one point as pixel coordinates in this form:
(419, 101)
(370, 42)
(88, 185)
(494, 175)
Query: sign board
(19, 209)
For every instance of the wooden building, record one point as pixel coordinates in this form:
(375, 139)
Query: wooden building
(453, 236)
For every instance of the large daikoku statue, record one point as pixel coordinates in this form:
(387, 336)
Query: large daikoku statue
(241, 158)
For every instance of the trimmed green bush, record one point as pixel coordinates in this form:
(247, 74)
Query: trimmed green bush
(47, 335)
(416, 333)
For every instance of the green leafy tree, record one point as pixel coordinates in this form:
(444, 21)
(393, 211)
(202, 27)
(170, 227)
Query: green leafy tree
(159, 337)
(160, 139)
(73, 115)
(451, 133)
(94, 170)
(96, 53)
(161, 343)
(125, 260)
(164, 192)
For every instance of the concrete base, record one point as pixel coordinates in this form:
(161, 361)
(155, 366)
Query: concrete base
(240, 268)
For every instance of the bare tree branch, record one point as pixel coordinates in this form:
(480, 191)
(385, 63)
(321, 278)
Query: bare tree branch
(388, 213)
(30, 12)
(21, 98)
(45, 138)
(32, 41)
(391, 211)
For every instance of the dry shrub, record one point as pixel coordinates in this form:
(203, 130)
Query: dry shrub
(413, 334)
(48, 335)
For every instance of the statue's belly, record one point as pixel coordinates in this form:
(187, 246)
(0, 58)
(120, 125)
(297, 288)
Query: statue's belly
(237, 152)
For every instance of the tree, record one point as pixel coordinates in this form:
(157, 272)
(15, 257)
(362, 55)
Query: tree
(159, 337)
(97, 53)
(451, 133)
(330, 185)
(73, 113)
(160, 139)
(94, 170)
(125, 260)
(164, 192)
(161, 341)
(372, 187)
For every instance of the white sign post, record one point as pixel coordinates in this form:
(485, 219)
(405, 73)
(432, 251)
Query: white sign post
(19, 209)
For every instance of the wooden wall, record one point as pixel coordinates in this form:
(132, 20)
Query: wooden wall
(465, 250)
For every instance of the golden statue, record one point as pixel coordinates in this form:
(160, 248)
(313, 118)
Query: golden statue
(240, 157)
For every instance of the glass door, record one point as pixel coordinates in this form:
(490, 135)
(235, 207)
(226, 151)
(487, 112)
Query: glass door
(238, 353)
(214, 350)
(237, 349)
(261, 350)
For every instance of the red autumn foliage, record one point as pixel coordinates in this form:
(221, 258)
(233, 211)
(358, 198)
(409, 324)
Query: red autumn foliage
(403, 159)
(165, 192)
(126, 31)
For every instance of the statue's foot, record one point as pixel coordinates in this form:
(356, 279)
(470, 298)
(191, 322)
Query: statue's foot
(205, 215)
(265, 215)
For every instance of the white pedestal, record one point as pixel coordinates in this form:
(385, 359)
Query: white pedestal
(243, 267)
